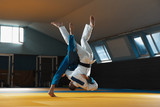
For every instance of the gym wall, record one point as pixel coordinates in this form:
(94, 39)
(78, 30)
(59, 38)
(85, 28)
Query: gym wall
(131, 74)
(35, 43)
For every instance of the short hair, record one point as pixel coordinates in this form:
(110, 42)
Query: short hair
(71, 86)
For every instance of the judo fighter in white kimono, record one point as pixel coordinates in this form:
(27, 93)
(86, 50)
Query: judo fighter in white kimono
(78, 71)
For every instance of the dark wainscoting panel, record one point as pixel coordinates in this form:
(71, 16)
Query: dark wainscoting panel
(133, 74)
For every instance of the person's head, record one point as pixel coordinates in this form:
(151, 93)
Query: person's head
(71, 86)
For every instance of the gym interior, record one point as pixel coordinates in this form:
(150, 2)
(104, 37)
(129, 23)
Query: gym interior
(125, 42)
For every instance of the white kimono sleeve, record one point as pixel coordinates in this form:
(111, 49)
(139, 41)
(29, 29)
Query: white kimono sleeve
(92, 87)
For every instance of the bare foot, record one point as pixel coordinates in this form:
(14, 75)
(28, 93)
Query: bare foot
(51, 91)
(57, 24)
(51, 94)
(92, 21)
(71, 28)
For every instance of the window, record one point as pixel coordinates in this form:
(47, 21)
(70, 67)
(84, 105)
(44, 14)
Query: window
(154, 41)
(11, 34)
(140, 46)
(156, 38)
(102, 53)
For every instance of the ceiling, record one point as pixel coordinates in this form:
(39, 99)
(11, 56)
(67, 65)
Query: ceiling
(112, 16)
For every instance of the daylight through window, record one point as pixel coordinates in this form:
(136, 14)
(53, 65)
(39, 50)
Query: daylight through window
(102, 53)
(12, 34)
(154, 41)
(140, 46)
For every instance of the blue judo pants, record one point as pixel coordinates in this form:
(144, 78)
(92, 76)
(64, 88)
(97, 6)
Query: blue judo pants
(70, 61)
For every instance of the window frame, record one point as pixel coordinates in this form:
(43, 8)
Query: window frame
(154, 42)
(19, 27)
(106, 51)
(140, 56)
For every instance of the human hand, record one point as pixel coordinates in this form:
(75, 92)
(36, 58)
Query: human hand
(93, 61)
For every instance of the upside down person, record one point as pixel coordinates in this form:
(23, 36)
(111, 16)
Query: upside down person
(79, 60)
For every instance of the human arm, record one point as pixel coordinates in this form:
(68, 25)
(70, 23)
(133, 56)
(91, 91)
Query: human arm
(84, 76)
(92, 87)
(81, 81)
(91, 83)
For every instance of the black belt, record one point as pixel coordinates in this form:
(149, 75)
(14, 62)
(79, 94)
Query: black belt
(85, 65)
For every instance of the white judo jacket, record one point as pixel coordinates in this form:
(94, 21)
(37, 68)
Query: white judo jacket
(85, 55)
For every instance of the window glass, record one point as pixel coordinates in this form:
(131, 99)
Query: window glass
(140, 46)
(15, 36)
(11, 34)
(102, 53)
(156, 37)
(152, 44)
(21, 35)
(6, 34)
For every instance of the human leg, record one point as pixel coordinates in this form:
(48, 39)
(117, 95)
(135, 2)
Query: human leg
(87, 34)
(61, 70)
(70, 28)
(88, 29)
(70, 62)
(62, 30)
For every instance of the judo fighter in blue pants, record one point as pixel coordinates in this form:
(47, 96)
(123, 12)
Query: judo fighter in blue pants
(70, 62)
(77, 63)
